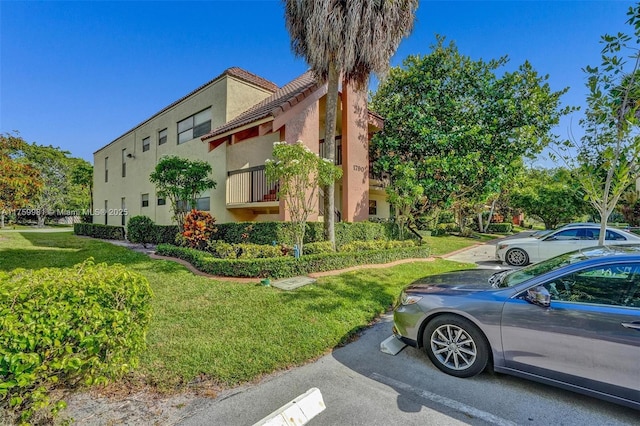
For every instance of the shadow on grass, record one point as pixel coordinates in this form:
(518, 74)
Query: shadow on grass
(354, 292)
(61, 250)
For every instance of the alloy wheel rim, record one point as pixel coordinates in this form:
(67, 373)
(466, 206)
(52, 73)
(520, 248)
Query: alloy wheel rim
(453, 347)
(516, 257)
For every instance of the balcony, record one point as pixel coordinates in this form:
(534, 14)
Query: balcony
(249, 188)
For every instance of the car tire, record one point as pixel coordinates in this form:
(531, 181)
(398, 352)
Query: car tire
(456, 346)
(516, 257)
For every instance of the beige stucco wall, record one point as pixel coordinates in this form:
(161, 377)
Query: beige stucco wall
(250, 152)
(383, 207)
(223, 103)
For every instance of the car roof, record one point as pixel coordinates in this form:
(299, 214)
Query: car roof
(588, 225)
(622, 250)
(568, 225)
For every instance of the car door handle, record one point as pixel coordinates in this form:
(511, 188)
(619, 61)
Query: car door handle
(633, 325)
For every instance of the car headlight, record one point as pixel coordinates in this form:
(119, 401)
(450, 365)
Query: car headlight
(502, 246)
(406, 299)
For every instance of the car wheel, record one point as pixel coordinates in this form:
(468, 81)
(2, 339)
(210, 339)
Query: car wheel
(456, 346)
(517, 257)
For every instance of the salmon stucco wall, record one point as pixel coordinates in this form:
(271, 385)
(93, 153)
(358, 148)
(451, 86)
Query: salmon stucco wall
(303, 127)
(355, 155)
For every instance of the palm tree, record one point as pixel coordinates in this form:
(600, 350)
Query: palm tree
(352, 38)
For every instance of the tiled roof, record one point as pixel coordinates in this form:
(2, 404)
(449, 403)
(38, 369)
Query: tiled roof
(282, 100)
(250, 78)
(236, 72)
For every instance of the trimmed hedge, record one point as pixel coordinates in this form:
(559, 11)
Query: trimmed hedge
(280, 232)
(502, 228)
(65, 327)
(282, 267)
(318, 247)
(376, 245)
(164, 234)
(96, 230)
(224, 250)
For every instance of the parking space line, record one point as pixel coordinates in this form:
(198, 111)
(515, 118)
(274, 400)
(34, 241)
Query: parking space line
(451, 403)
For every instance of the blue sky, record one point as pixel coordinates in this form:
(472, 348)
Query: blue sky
(79, 74)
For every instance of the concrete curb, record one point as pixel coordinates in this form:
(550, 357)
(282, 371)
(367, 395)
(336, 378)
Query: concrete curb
(297, 412)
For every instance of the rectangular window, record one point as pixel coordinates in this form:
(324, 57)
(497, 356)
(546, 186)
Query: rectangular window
(123, 211)
(124, 165)
(106, 169)
(146, 144)
(161, 201)
(203, 203)
(197, 125)
(162, 136)
(145, 200)
(373, 207)
(106, 209)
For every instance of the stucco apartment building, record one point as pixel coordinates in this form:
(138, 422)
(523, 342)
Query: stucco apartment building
(232, 122)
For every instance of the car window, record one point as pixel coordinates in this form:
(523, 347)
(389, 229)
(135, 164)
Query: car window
(616, 284)
(567, 234)
(517, 276)
(614, 236)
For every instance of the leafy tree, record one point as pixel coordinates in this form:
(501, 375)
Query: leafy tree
(348, 38)
(82, 176)
(54, 169)
(629, 207)
(607, 161)
(552, 196)
(181, 181)
(403, 194)
(19, 182)
(463, 123)
(300, 173)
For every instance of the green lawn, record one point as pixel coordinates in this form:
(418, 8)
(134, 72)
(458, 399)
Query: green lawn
(228, 332)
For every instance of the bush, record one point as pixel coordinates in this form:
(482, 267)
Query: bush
(140, 229)
(501, 228)
(198, 228)
(447, 228)
(66, 327)
(165, 234)
(317, 248)
(286, 266)
(95, 230)
(280, 232)
(376, 245)
(224, 250)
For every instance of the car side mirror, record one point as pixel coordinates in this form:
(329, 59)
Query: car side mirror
(538, 296)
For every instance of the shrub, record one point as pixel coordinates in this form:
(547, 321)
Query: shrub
(287, 266)
(140, 229)
(224, 250)
(318, 248)
(257, 251)
(96, 230)
(65, 327)
(198, 228)
(376, 245)
(221, 249)
(501, 228)
(165, 234)
(280, 232)
(447, 228)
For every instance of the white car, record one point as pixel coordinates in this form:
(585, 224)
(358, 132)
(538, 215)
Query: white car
(521, 251)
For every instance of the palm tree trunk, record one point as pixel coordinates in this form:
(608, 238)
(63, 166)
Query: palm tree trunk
(330, 144)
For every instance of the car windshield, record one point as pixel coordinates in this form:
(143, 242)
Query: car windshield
(517, 276)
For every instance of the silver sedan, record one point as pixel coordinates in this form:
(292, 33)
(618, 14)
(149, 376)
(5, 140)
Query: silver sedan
(572, 321)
